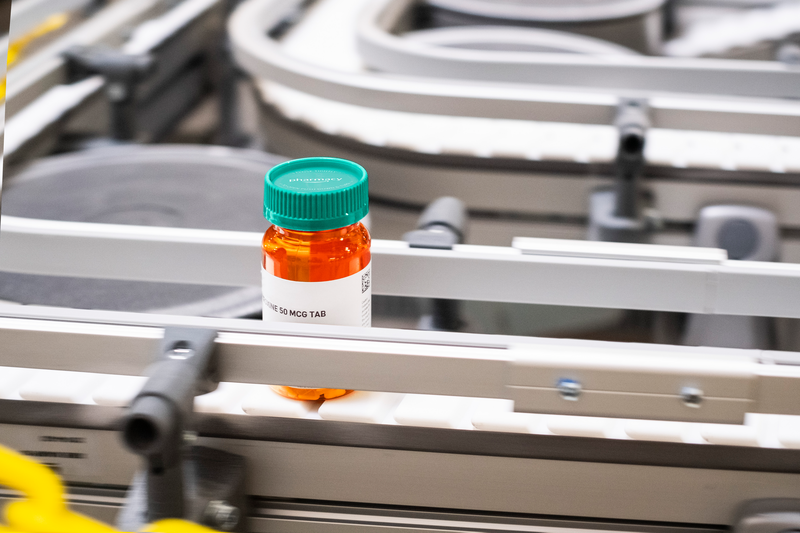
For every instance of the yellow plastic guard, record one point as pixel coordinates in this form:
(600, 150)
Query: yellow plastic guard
(51, 24)
(44, 509)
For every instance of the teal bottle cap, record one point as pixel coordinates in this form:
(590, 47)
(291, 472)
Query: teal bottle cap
(316, 194)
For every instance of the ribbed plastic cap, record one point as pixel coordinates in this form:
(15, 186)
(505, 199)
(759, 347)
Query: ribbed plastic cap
(316, 194)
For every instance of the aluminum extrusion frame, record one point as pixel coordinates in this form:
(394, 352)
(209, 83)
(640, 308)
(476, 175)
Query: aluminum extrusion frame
(643, 382)
(582, 279)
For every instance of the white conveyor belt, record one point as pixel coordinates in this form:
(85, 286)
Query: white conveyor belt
(447, 412)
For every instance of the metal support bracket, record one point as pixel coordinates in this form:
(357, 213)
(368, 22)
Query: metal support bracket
(632, 123)
(768, 516)
(155, 427)
(695, 387)
(442, 225)
(123, 73)
(615, 215)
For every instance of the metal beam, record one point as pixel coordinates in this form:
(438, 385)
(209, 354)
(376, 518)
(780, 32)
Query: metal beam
(631, 382)
(631, 279)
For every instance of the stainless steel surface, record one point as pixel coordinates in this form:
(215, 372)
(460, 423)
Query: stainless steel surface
(274, 514)
(638, 382)
(223, 515)
(224, 258)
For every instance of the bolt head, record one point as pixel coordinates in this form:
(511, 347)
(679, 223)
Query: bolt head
(691, 397)
(189, 437)
(180, 353)
(222, 515)
(569, 389)
(117, 92)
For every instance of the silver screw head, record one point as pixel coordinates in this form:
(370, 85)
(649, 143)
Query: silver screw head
(180, 353)
(691, 397)
(117, 92)
(190, 437)
(222, 515)
(569, 389)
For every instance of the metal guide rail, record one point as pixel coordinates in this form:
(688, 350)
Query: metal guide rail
(659, 383)
(252, 25)
(505, 465)
(585, 274)
(541, 375)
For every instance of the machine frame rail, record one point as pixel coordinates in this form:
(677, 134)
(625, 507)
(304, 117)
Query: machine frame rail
(618, 379)
(544, 271)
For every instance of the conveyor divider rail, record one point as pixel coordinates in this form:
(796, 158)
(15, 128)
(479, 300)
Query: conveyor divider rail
(618, 380)
(615, 380)
(581, 275)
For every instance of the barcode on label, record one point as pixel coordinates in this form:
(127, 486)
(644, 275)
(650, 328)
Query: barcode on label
(365, 280)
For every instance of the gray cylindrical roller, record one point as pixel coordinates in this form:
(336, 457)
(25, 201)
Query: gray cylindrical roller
(149, 424)
(446, 211)
(152, 429)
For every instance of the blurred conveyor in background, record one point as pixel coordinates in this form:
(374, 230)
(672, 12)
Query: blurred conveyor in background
(611, 120)
(541, 361)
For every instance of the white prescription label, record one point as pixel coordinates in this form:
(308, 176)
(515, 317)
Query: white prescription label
(341, 302)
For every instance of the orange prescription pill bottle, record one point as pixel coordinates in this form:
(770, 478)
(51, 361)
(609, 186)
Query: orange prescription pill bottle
(316, 265)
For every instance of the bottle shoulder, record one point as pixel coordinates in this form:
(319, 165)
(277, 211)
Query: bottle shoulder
(352, 240)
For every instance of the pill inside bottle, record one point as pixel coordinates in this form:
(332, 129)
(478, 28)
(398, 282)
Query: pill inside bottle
(316, 266)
